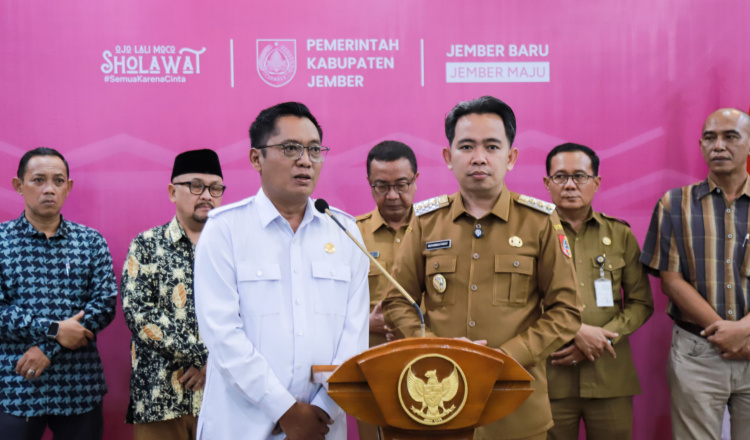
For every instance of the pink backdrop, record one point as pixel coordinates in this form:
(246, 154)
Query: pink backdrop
(102, 82)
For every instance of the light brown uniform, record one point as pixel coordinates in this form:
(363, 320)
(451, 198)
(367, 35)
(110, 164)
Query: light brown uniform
(607, 377)
(381, 241)
(522, 298)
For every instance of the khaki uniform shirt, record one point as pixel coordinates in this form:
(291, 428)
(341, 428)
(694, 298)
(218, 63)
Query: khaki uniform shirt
(520, 298)
(381, 241)
(633, 305)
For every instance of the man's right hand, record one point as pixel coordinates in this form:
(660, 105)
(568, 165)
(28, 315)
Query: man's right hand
(72, 334)
(594, 341)
(304, 421)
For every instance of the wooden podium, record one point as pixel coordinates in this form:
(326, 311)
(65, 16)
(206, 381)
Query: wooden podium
(435, 388)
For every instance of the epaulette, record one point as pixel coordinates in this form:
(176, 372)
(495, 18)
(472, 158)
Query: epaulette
(216, 211)
(430, 205)
(362, 217)
(539, 205)
(615, 219)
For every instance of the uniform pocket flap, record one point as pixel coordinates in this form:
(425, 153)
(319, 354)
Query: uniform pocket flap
(247, 271)
(514, 264)
(610, 263)
(339, 272)
(440, 264)
(375, 270)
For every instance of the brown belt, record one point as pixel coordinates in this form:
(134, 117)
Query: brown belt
(689, 327)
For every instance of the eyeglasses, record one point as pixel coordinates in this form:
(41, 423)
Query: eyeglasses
(382, 188)
(578, 178)
(293, 150)
(197, 187)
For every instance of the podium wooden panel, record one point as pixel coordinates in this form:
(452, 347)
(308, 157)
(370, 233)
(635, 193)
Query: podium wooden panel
(367, 387)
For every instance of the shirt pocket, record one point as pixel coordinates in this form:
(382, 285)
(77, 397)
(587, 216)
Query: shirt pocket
(513, 280)
(260, 288)
(375, 270)
(437, 267)
(613, 267)
(330, 287)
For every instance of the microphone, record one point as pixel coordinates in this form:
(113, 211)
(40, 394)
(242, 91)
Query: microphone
(322, 207)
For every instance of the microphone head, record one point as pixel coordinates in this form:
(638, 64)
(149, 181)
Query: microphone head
(321, 205)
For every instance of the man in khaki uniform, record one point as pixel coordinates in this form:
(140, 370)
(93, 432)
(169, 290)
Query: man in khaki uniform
(584, 381)
(392, 174)
(494, 265)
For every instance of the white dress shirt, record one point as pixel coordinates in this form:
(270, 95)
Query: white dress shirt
(270, 304)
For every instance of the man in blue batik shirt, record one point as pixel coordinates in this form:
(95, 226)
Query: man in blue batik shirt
(57, 291)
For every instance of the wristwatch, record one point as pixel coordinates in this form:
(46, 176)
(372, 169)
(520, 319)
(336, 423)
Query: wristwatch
(53, 329)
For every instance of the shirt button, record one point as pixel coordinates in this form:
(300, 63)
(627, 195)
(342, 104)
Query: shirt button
(474, 287)
(729, 236)
(297, 301)
(398, 240)
(296, 397)
(300, 333)
(718, 190)
(728, 210)
(259, 273)
(296, 270)
(299, 366)
(516, 263)
(476, 256)
(437, 265)
(333, 272)
(581, 283)
(729, 312)
(584, 306)
(729, 261)
(729, 286)
(472, 323)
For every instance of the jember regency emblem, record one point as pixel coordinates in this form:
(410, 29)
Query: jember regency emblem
(432, 389)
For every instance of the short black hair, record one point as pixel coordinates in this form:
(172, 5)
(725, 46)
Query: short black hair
(40, 151)
(389, 151)
(485, 104)
(571, 147)
(264, 126)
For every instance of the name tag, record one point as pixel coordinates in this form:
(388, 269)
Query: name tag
(603, 288)
(375, 254)
(442, 244)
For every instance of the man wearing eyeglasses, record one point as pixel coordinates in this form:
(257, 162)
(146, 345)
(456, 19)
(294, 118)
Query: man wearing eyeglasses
(279, 288)
(593, 377)
(167, 354)
(392, 175)
(492, 266)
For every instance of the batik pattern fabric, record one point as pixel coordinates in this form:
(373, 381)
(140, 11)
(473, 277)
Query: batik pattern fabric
(43, 280)
(157, 298)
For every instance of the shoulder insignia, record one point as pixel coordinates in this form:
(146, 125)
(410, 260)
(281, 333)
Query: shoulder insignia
(364, 217)
(430, 205)
(539, 205)
(615, 219)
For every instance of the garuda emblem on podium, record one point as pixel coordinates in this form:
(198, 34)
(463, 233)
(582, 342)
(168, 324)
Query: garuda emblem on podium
(437, 399)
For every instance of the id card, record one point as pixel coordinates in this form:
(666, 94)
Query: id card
(603, 288)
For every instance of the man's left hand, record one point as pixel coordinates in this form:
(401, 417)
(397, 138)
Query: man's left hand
(32, 363)
(729, 337)
(194, 379)
(570, 355)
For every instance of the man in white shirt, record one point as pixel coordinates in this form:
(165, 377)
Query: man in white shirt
(278, 288)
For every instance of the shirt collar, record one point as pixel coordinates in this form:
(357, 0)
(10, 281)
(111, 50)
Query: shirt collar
(500, 209)
(175, 231)
(590, 216)
(379, 222)
(267, 212)
(708, 186)
(25, 228)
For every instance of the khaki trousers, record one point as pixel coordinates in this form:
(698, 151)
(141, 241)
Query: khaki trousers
(701, 384)
(604, 419)
(181, 428)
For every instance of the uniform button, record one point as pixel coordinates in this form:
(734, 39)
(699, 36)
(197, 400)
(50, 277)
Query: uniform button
(472, 323)
(718, 190)
(297, 301)
(610, 266)
(729, 312)
(296, 397)
(474, 287)
(516, 263)
(300, 333)
(398, 240)
(729, 236)
(728, 210)
(296, 270)
(580, 261)
(729, 261)
(584, 306)
(476, 256)
(581, 283)
(333, 271)
(299, 366)
(576, 238)
(259, 273)
(729, 286)
(437, 265)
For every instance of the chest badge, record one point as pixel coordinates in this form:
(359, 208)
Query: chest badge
(607, 241)
(515, 241)
(439, 283)
(330, 248)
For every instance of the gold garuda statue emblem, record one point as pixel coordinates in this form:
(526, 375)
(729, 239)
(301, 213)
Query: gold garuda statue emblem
(432, 389)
